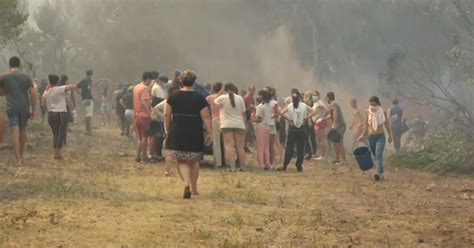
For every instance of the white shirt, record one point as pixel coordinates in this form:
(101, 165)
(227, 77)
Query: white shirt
(272, 105)
(159, 108)
(318, 107)
(297, 115)
(56, 99)
(229, 116)
(264, 112)
(158, 91)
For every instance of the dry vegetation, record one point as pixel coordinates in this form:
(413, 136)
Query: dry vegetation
(98, 197)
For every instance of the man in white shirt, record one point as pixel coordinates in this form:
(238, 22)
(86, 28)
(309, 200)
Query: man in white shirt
(157, 90)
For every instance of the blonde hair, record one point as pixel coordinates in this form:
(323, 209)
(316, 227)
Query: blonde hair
(188, 78)
(307, 98)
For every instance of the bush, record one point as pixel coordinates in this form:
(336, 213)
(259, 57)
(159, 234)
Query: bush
(448, 150)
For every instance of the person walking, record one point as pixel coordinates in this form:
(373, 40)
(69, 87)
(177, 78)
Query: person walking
(186, 112)
(375, 120)
(54, 99)
(357, 126)
(396, 118)
(21, 99)
(232, 116)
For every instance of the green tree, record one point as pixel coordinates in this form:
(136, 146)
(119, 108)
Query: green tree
(11, 21)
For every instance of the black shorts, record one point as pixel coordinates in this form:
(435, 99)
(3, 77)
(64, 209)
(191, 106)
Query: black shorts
(156, 129)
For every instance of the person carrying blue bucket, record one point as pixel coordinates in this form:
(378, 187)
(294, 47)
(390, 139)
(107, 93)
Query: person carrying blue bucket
(376, 119)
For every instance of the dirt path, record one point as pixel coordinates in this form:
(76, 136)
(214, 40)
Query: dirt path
(98, 197)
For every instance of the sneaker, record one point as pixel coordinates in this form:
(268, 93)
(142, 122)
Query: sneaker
(336, 162)
(282, 169)
(233, 168)
(319, 158)
(377, 177)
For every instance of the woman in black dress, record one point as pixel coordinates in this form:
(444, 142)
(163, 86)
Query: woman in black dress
(186, 113)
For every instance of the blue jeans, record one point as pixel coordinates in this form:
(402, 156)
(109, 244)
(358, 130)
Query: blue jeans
(377, 146)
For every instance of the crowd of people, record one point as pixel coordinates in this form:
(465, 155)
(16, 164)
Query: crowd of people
(179, 120)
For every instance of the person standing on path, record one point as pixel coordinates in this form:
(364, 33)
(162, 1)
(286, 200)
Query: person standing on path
(54, 99)
(85, 87)
(21, 98)
(396, 118)
(142, 115)
(216, 132)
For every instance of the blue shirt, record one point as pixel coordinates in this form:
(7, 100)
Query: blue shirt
(396, 115)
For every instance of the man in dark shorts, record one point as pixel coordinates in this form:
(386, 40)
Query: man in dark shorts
(338, 124)
(20, 93)
(85, 86)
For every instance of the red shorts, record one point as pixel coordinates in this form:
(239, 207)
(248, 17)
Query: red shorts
(321, 125)
(142, 124)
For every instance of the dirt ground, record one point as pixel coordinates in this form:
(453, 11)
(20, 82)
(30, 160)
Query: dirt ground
(98, 197)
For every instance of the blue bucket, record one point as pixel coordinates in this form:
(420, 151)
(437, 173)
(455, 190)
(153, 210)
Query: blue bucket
(364, 158)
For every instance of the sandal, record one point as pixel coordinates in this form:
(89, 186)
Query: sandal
(187, 192)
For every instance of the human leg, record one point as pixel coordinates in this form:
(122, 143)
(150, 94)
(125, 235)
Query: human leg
(239, 138)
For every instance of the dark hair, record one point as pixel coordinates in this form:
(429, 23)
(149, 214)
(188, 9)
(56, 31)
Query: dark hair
(14, 62)
(89, 72)
(216, 87)
(63, 80)
(188, 78)
(265, 96)
(147, 76)
(375, 99)
(317, 92)
(230, 89)
(155, 75)
(208, 86)
(53, 79)
(163, 78)
(330, 95)
(296, 98)
(395, 101)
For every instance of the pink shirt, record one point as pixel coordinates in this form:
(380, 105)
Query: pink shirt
(214, 108)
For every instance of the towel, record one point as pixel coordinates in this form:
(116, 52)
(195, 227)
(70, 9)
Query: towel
(376, 117)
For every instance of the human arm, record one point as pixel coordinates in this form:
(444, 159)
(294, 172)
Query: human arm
(168, 111)
(388, 127)
(366, 128)
(335, 117)
(311, 113)
(206, 118)
(33, 99)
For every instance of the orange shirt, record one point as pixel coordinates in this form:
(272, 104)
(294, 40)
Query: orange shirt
(141, 100)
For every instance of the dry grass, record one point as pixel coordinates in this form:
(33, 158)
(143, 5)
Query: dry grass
(98, 197)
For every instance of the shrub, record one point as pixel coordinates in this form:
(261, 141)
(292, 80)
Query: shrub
(448, 150)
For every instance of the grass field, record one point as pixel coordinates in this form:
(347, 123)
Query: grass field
(98, 197)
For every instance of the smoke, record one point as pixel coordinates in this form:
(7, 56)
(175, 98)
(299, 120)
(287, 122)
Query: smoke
(279, 65)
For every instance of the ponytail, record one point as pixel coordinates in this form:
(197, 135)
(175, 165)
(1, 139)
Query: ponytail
(230, 88)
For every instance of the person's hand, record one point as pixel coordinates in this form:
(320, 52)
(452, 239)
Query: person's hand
(390, 139)
(361, 138)
(32, 116)
(208, 140)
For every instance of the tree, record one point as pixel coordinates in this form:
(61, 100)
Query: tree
(11, 21)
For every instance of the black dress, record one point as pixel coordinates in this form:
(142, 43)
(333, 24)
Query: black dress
(186, 135)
